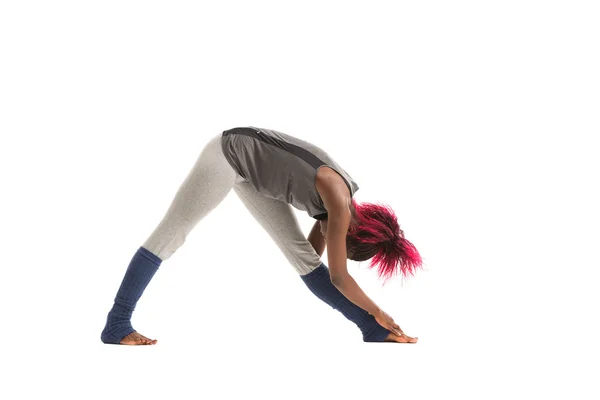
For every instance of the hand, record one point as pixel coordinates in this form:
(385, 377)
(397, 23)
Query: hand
(388, 323)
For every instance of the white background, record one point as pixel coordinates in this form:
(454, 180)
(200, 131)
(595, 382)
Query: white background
(474, 120)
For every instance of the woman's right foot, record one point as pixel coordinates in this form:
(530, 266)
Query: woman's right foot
(400, 339)
(135, 338)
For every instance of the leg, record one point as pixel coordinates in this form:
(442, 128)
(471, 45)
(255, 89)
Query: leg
(279, 220)
(205, 186)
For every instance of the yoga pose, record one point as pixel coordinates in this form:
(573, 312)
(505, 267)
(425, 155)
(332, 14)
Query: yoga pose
(272, 171)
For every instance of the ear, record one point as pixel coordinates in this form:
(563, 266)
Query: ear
(349, 253)
(353, 225)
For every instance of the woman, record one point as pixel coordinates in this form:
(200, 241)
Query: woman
(271, 171)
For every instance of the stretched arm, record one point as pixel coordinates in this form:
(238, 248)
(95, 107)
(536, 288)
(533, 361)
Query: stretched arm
(338, 223)
(336, 198)
(316, 239)
(337, 230)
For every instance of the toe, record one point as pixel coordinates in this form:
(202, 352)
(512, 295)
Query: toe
(136, 338)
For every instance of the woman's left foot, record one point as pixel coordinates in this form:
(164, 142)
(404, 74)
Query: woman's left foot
(400, 339)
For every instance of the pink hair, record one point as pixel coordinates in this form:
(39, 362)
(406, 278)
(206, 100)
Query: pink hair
(376, 235)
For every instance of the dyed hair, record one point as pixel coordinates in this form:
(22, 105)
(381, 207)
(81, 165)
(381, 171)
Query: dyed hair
(375, 234)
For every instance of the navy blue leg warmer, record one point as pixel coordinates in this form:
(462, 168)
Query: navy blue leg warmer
(141, 269)
(319, 282)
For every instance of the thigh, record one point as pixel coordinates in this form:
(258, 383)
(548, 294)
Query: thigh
(205, 186)
(280, 222)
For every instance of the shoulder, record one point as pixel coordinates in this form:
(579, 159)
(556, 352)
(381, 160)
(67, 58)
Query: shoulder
(332, 189)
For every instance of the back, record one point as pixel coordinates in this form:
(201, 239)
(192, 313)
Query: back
(281, 166)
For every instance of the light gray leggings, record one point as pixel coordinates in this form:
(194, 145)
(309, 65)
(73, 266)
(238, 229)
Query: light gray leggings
(205, 186)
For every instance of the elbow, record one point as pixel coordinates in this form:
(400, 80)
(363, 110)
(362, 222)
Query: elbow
(338, 280)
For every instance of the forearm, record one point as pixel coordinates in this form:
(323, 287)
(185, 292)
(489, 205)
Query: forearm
(319, 283)
(350, 289)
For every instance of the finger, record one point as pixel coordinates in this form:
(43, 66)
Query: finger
(396, 331)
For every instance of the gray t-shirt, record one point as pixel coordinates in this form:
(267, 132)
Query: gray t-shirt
(281, 166)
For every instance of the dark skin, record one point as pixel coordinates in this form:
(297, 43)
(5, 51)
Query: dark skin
(337, 200)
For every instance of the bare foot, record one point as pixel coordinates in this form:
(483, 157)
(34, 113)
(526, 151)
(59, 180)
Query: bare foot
(400, 339)
(135, 338)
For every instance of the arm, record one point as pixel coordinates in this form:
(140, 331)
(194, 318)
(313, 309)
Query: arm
(316, 239)
(336, 198)
(338, 223)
